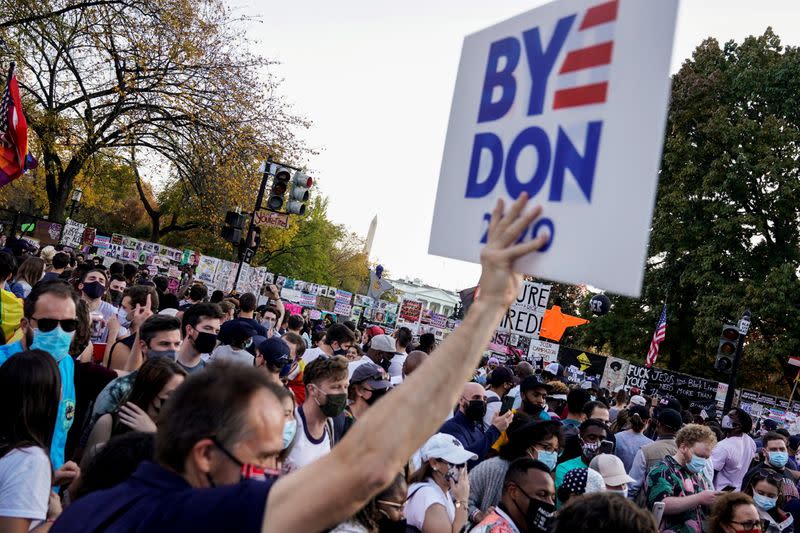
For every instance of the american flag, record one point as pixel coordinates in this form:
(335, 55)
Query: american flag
(658, 336)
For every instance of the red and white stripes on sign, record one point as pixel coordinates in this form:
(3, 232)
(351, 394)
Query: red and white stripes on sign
(583, 78)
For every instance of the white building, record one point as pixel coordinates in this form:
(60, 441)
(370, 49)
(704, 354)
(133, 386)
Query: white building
(437, 300)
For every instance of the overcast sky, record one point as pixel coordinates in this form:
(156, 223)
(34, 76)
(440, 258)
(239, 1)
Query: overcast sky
(376, 78)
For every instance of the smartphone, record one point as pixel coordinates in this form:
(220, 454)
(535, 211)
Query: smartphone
(658, 511)
(508, 403)
(729, 488)
(606, 447)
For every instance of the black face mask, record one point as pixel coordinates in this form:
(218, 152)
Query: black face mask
(390, 526)
(116, 297)
(531, 408)
(205, 342)
(376, 394)
(340, 351)
(539, 514)
(475, 410)
(94, 290)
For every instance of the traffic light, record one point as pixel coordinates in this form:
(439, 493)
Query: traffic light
(728, 342)
(232, 231)
(299, 195)
(280, 184)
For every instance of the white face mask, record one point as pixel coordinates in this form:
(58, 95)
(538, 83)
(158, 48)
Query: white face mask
(621, 492)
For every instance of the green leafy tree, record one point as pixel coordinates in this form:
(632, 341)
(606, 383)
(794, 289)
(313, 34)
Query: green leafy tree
(726, 232)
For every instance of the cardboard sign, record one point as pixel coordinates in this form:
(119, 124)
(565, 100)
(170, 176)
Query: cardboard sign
(544, 351)
(73, 233)
(272, 220)
(662, 382)
(566, 102)
(410, 311)
(524, 317)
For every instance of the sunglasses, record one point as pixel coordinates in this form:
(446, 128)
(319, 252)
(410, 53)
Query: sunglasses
(49, 324)
(391, 504)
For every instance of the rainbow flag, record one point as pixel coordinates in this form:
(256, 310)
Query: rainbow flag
(14, 156)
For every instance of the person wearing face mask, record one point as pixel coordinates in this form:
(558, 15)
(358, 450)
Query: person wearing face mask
(49, 322)
(247, 307)
(338, 338)
(526, 438)
(381, 351)
(774, 456)
(467, 423)
(668, 422)
(159, 337)
(533, 394)
(591, 433)
(326, 382)
(766, 491)
(527, 502)
(734, 512)
(382, 514)
(613, 472)
(678, 481)
(116, 289)
(200, 326)
(733, 454)
(368, 384)
(93, 287)
(438, 490)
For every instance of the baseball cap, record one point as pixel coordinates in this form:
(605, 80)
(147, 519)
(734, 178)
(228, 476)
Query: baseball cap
(275, 352)
(500, 375)
(770, 425)
(383, 343)
(635, 390)
(669, 403)
(235, 330)
(532, 382)
(670, 418)
(447, 448)
(638, 400)
(554, 368)
(611, 468)
(370, 374)
(257, 340)
(375, 330)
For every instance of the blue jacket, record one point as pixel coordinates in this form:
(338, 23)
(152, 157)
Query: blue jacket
(473, 435)
(66, 410)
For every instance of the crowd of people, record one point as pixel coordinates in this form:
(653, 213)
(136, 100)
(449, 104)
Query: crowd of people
(131, 408)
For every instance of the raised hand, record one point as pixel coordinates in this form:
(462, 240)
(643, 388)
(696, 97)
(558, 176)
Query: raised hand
(499, 283)
(142, 313)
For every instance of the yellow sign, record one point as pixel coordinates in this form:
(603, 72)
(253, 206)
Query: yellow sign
(583, 359)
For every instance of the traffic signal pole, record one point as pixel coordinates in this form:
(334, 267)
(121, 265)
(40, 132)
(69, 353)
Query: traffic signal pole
(744, 326)
(259, 199)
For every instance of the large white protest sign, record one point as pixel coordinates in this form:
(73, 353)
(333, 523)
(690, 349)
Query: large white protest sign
(73, 234)
(524, 317)
(566, 102)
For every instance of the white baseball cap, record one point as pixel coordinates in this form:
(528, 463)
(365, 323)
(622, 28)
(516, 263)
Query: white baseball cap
(382, 343)
(447, 448)
(638, 400)
(611, 468)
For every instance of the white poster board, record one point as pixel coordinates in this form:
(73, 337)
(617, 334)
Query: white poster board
(568, 103)
(524, 317)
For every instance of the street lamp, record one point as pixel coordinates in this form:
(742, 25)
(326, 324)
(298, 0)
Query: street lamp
(77, 194)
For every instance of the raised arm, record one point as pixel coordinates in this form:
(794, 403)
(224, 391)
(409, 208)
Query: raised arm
(376, 448)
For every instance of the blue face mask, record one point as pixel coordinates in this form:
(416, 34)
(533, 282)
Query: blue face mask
(778, 459)
(548, 458)
(55, 342)
(122, 316)
(764, 502)
(697, 464)
(289, 429)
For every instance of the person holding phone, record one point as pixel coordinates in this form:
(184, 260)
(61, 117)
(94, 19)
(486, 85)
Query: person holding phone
(438, 491)
(678, 481)
(500, 382)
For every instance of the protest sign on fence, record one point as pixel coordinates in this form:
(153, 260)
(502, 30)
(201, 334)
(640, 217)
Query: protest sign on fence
(73, 234)
(566, 102)
(524, 317)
